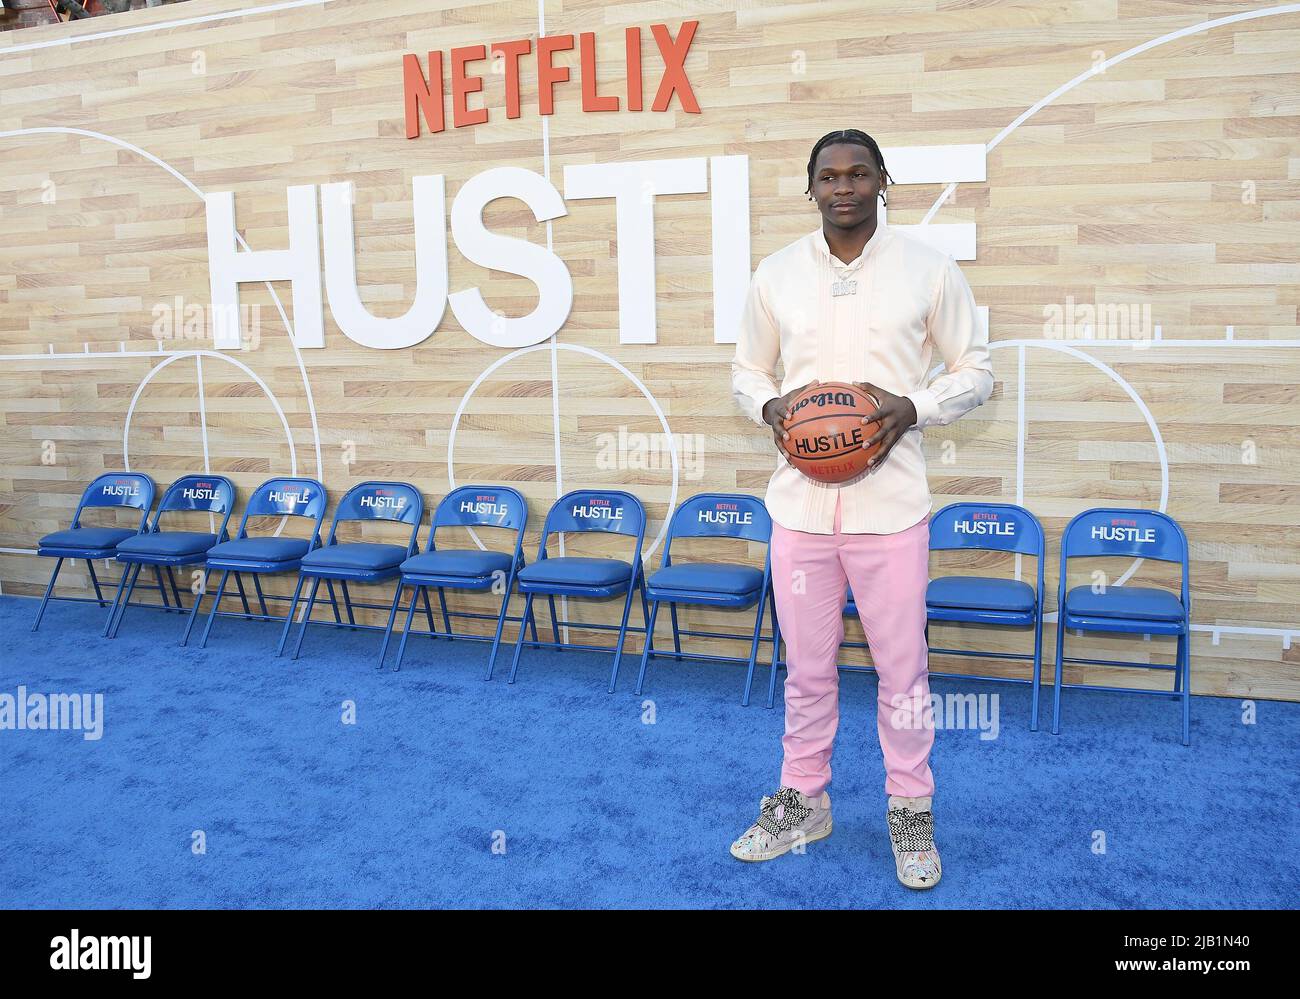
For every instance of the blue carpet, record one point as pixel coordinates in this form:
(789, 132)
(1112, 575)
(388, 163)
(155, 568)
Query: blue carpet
(593, 806)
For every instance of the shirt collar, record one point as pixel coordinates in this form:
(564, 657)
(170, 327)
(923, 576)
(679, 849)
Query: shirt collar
(877, 237)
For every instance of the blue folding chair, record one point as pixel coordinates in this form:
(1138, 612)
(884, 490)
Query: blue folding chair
(713, 584)
(260, 556)
(360, 561)
(1146, 534)
(113, 489)
(472, 569)
(212, 494)
(992, 600)
(606, 511)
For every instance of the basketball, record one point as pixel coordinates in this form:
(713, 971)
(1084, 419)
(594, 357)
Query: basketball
(827, 432)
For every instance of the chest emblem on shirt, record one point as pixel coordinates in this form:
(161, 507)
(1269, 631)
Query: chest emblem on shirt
(839, 288)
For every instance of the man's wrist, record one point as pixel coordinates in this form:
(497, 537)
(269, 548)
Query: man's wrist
(769, 409)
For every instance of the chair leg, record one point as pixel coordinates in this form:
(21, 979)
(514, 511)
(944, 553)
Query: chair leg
(123, 599)
(392, 616)
(776, 653)
(677, 638)
(532, 627)
(212, 614)
(49, 588)
(126, 602)
(347, 603)
(519, 642)
(162, 588)
(1056, 689)
(288, 617)
(496, 640)
(99, 594)
(649, 642)
(406, 632)
(117, 599)
(555, 625)
(1038, 671)
(622, 635)
(261, 597)
(753, 649)
(243, 594)
(329, 585)
(176, 592)
(1185, 654)
(306, 617)
(428, 611)
(194, 611)
(446, 617)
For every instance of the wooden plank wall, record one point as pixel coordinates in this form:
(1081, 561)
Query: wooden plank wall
(1170, 181)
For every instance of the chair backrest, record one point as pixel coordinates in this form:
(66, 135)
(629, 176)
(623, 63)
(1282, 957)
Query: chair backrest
(1117, 531)
(134, 490)
(719, 515)
(398, 502)
(608, 510)
(1002, 527)
(482, 506)
(200, 493)
(287, 497)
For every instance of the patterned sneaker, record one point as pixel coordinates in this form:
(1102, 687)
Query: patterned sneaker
(911, 831)
(785, 820)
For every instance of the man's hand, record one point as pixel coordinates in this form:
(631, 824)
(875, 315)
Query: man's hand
(896, 415)
(775, 413)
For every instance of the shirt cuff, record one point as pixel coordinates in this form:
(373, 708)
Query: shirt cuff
(762, 404)
(927, 406)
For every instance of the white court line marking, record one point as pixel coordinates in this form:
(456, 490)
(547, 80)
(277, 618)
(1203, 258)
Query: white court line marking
(144, 28)
(113, 140)
(203, 430)
(1095, 70)
(1020, 440)
(578, 349)
(555, 337)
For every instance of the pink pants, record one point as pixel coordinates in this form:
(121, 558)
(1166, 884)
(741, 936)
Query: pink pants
(887, 574)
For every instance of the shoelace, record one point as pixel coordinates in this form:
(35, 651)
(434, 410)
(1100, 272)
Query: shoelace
(792, 814)
(912, 832)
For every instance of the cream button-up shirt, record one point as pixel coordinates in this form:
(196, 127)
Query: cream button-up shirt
(911, 302)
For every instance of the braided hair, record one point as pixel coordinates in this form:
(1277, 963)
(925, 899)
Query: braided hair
(854, 137)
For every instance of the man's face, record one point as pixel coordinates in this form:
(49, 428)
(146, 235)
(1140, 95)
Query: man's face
(846, 184)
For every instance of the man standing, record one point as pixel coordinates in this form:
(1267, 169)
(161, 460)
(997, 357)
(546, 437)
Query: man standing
(856, 301)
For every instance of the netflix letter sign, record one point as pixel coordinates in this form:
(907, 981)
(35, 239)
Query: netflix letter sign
(424, 93)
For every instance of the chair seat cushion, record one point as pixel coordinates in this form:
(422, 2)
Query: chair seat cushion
(1143, 602)
(87, 537)
(364, 555)
(261, 549)
(721, 577)
(168, 543)
(576, 570)
(471, 563)
(981, 593)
